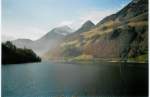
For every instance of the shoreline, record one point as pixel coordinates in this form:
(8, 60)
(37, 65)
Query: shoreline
(97, 61)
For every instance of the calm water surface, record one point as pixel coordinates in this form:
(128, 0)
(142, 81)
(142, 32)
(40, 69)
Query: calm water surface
(48, 79)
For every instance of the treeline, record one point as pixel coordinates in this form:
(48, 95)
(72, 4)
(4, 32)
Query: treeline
(13, 55)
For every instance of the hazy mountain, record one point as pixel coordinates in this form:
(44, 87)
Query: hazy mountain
(5, 38)
(64, 30)
(48, 41)
(21, 43)
(88, 25)
(123, 35)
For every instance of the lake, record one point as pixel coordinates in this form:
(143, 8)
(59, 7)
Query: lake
(48, 79)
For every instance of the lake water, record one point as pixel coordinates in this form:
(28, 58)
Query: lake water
(48, 79)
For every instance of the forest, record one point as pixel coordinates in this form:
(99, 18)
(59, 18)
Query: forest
(13, 55)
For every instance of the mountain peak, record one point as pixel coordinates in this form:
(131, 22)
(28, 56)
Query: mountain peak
(86, 26)
(57, 32)
(64, 26)
(88, 23)
(63, 30)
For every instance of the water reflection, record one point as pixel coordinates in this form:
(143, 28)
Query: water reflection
(134, 77)
(55, 79)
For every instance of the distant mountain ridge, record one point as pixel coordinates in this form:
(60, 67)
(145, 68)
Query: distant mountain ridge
(46, 42)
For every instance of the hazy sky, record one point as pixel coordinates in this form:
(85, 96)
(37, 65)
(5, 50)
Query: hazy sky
(33, 18)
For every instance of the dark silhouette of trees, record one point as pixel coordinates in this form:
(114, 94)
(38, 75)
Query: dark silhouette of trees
(13, 55)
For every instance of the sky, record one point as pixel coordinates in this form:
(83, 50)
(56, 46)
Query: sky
(31, 19)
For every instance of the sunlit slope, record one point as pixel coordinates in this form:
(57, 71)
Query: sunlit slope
(123, 35)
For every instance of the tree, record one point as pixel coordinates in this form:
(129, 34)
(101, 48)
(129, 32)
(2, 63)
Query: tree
(13, 55)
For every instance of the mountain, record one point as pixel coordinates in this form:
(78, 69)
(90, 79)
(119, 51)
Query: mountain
(48, 41)
(51, 39)
(21, 43)
(120, 36)
(63, 30)
(86, 26)
(55, 33)
(5, 38)
(133, 9)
